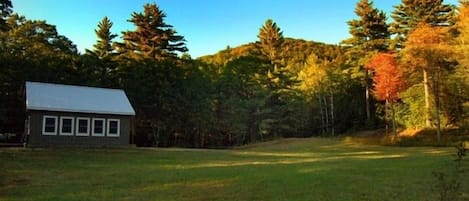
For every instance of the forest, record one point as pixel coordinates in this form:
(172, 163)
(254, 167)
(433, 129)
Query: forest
(405, 69)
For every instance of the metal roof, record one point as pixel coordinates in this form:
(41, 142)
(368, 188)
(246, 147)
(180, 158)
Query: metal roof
(69, 98)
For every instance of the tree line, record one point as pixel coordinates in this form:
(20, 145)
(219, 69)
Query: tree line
(412, 72)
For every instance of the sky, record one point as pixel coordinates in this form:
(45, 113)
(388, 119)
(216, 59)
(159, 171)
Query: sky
(207, 25)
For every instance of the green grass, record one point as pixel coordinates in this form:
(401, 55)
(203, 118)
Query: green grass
(289, 169)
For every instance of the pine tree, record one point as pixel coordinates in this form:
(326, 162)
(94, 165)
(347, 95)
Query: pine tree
(370, 31)
(270, 40)
(276, 78)
(153, 38)
(102, 64)
(369, 34)
(103, 46)
(410, 13)
(270, 43)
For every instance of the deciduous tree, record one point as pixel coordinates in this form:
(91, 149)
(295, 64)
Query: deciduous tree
(427, 49)
(388, 80)
(31, 50)
(462, 44)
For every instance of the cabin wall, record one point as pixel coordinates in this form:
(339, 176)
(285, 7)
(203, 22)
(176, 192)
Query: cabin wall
(35, 137)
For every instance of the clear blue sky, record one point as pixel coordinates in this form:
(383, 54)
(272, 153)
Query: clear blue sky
(207, 25)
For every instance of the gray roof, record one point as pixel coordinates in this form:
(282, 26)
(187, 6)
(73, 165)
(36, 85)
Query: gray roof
(68, 98)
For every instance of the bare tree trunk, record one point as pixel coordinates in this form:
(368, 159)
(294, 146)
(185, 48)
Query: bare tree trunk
(437, 104)
(367, 97)
(322, 115)
(393, 116)
(156, 133)
(326, 112)
(332, 111)
(427, 98)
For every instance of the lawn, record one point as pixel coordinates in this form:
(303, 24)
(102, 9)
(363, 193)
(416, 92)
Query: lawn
(288, 169)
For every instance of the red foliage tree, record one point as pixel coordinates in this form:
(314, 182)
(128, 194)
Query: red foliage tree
(388, 80)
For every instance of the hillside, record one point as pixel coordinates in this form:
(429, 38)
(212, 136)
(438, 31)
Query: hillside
(295, 51)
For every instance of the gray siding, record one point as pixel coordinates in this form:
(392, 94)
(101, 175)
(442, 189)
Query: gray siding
(37, 139)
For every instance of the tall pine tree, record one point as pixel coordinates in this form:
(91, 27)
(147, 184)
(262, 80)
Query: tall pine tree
(103, 46)
(153, 38)
(102, 64)
(276, 79)
(410, 13)
(369, 34)
(270, 41)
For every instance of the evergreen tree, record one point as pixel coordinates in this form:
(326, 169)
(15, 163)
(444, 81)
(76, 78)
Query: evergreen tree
(153, 38)
(369, 34)
(275, 78)
(103, 46)
(410, 13)
(101, 57)
(270, 40)
(370, 31)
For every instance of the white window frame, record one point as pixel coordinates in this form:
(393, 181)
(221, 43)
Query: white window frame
(104, 127)
(108, 133)
(88, 127)
(72, 126)
(44, 125)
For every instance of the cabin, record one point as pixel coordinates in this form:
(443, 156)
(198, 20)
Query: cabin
(77, 116)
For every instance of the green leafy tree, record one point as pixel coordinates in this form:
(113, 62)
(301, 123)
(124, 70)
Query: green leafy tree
(316, 86)
(31, 50)
(410, 13)
(153, 38)
(369, 34)
(155, 90)
(237, 101)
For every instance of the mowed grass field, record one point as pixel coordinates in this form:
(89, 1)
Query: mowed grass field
(288, 169)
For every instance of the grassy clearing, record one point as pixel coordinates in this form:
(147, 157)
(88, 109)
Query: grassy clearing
(289, 169)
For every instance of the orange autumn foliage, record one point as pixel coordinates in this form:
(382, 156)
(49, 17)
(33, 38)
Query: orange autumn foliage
(388, 80)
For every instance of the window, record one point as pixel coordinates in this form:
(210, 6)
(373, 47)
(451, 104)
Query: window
(49, 125)
(98, 127)
(83, 126)
(113, 127)
(66, 125)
